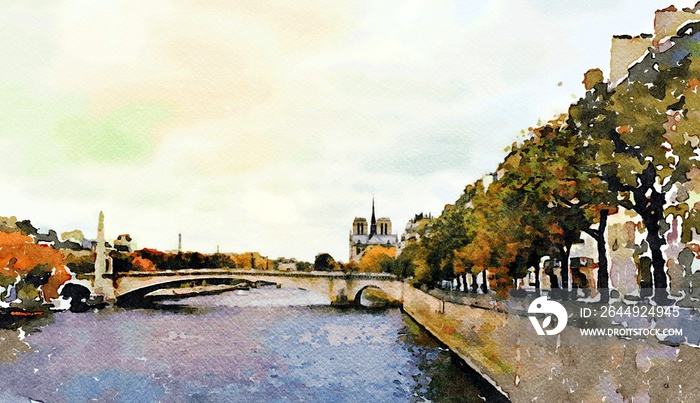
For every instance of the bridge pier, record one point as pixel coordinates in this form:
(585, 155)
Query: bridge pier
(104, 286)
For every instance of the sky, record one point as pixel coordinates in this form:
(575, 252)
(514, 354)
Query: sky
(269, 125)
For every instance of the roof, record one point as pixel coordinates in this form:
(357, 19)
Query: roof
(376, 239)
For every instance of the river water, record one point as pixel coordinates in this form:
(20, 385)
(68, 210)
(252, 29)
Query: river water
(267, 346)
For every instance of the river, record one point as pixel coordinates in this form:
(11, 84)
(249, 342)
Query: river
(267, 346)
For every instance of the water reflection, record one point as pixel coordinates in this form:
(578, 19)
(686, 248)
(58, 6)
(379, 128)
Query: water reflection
(255, 297)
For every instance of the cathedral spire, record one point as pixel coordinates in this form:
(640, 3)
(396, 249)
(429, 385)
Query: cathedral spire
(373, 222)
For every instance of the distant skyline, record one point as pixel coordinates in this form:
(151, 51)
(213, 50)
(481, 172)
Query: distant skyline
(268, 126)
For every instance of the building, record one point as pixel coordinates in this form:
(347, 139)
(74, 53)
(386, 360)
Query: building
(284, 264)
(123, 243)
(627, 50)
(377, 233)
(412, 233)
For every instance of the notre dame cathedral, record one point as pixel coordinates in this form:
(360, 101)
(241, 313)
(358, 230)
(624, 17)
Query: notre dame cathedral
(378, 234)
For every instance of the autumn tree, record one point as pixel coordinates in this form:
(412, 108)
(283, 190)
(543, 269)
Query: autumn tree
(555, 170)
(376, 259)
(30, 272)
(350, 267)
(443, 236)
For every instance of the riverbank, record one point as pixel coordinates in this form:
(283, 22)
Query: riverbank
(507, 352)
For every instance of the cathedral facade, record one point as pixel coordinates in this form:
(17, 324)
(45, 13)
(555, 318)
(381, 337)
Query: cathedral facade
(377, 233)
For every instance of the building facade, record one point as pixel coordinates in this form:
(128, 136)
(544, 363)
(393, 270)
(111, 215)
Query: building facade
(412, 233)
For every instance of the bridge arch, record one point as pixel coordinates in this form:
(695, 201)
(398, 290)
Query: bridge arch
(137, 295)
(358, 295)
(78, 295)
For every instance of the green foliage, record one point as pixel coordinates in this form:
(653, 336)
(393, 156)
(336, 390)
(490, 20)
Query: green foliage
(325, 262)
(303, 266)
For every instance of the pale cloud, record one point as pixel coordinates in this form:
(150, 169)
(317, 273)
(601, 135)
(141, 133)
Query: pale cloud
(269, 125)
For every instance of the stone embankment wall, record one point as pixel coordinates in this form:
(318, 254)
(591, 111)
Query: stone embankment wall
(505, 349)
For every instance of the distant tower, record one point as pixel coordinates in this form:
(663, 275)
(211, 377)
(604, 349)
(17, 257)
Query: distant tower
(179, 242)
(102, 284)
(359, 226)
(373, 222)
(101, 259)
(384, 226)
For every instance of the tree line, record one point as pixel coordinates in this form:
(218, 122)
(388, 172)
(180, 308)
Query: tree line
(633, 147)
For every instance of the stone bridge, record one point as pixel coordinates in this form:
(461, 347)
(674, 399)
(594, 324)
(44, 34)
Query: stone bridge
(338, 287)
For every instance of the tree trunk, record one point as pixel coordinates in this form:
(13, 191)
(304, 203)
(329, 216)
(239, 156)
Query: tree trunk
(484, 285)
(658, 262)
(464, 281)
(566, 267)
(459, 283)
(646, 283)
(603, 276)
(564, 252)
(649, 204)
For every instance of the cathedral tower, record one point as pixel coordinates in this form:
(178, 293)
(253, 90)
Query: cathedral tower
(379, 235)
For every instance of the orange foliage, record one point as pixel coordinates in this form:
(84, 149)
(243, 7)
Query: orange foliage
(59, 276)
(555, 229)
(624, 129)
(143, 264)
(478, 253)
(693, 83)
(248, 259)
(351, 266)
(458, 265)
(19, 255)
(370, 259)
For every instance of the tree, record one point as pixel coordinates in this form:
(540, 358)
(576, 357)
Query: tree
(405, 263)
(303, 266)
(640, 152)
(638, 165)
(555, 168)
(377, 259)
(325, 262)
(74, 236)
(442, 237)
(143, 264)
(35, 272)
(350, 267)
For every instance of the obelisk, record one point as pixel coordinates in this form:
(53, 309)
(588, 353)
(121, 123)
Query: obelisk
(103, 285)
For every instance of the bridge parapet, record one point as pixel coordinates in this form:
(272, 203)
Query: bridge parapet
(267, 273)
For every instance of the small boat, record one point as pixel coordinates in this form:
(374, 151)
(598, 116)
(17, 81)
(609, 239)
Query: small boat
(25, 313)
